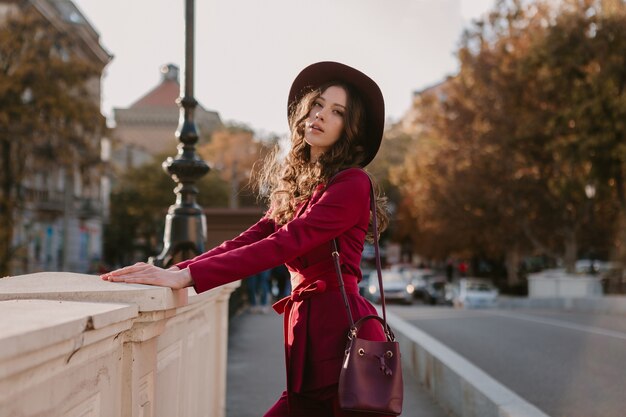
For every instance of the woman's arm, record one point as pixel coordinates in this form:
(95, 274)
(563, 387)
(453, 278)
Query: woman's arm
(344, 204)
(144, 273)
(258, 231)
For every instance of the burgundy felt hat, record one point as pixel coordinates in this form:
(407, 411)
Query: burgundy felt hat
(321, 73)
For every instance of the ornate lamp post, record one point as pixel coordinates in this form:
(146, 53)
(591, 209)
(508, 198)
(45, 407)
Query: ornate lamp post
(185, 224)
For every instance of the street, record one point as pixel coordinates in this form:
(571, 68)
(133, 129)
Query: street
(566, 364)
(256, 370)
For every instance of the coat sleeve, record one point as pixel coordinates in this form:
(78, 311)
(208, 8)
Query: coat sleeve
(257, 231)
(340, 207)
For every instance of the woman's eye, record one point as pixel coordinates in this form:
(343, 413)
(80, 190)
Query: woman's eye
(338, 112)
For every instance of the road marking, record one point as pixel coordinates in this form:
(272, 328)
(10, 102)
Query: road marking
(558, 323)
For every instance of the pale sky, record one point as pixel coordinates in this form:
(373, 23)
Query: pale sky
(249, 51)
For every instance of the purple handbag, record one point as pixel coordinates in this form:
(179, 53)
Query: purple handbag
(371, 375)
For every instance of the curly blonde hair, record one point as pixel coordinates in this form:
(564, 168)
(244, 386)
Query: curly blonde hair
(290, 181)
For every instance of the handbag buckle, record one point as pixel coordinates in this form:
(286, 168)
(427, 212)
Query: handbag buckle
(390, 336)
(352, 333)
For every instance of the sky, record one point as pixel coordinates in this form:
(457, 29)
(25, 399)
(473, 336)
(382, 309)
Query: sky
(248, 52)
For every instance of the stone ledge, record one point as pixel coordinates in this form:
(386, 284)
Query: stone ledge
(80, 287)
(222, 291)
(29, 325)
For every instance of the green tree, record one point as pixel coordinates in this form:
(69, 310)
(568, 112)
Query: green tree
(139, 204)
(49, 116)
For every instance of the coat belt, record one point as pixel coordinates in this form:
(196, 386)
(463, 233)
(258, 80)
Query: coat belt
(307, 282)
(295, 319)
(302, 292)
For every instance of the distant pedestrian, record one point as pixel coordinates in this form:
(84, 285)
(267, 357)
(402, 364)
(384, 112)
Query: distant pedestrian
(280, 275)
(462, 268)
(449, 271)
(258, 288)
(317, 193)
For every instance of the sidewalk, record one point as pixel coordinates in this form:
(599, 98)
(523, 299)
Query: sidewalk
(256, 370)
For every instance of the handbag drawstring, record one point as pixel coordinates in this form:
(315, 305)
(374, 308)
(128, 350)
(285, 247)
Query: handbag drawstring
(383, 366)
(381, 359)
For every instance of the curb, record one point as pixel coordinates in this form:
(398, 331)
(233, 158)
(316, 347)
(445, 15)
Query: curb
(608, 304)
(459, 387)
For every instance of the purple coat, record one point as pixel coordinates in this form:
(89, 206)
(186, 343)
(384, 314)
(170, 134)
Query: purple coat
(315, 323)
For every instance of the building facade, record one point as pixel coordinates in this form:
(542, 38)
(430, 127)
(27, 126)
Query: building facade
(59, 226)
(147, 128)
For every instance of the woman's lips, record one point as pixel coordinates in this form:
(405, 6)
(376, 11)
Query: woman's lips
(314, 126)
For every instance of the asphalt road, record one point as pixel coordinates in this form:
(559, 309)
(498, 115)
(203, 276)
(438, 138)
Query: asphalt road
(566, 364)
(256, 370)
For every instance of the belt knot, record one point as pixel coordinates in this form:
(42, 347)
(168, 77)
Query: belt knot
(301, 292)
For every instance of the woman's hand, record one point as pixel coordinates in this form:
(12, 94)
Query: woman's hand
(143, 273)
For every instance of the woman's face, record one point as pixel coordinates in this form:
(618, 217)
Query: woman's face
(325, 123)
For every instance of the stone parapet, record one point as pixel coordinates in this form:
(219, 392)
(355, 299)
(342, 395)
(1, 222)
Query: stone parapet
(558, 284)
(69, 286)
(74, 345)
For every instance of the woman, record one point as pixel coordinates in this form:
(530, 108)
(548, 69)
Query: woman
(317, 194)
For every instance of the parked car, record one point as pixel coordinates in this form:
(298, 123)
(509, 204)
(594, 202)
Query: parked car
(396, 284)
(435, 291)
(475, 293)
(594, 266)
(421, 278)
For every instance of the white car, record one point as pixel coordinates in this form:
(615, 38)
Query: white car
(475, 293)
(396, 284)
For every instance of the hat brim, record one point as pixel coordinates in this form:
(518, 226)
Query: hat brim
(320, 73)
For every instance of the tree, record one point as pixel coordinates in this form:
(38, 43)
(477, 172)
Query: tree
(49, 116)
(462, 183)
(509, 144)
(139, 204)
(233, 152)
(391, 154)
(578, 83)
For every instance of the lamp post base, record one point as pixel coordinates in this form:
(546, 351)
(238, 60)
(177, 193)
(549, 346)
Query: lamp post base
(187, 229)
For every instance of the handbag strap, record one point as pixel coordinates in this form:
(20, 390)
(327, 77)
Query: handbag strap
(341, 285)
(378, 267)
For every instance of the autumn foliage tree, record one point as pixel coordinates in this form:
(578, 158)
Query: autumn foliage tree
(508, 146)
(49, 117)
(233, 152)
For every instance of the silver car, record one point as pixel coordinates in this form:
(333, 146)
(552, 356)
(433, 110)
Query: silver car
(397, 286)
(475, 293)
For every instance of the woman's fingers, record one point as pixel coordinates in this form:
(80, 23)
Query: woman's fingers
(151, 275)
(131, 275)
(143, 279)
(139, 266)
(132, 269)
